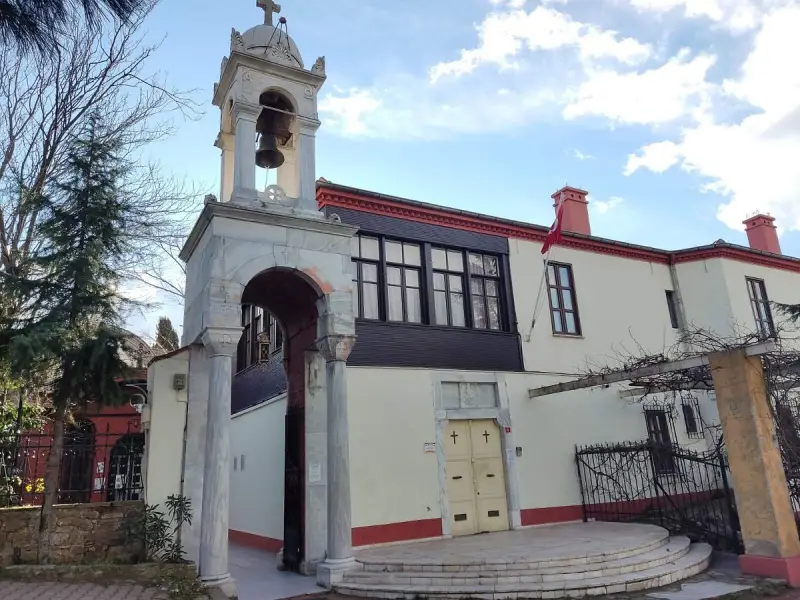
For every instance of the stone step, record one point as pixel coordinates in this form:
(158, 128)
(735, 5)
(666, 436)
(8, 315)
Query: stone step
(674, 549)
(691, 563)
(465, 564)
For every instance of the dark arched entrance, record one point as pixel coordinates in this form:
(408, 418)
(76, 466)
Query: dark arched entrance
(293, 302)
(125, 468)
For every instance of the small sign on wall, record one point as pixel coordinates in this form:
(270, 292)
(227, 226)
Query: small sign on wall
(430, 447)
(314, 473)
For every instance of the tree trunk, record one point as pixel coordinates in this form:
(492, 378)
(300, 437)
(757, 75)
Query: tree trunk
(52, 482)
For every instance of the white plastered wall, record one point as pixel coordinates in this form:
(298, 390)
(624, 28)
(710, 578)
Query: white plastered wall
(257, 437)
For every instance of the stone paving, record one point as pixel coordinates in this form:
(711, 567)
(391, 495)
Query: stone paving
(11, 590)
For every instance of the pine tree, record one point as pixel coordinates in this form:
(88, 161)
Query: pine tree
(69, 328)
(166, 337)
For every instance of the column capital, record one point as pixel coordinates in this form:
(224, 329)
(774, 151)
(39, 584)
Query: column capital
(224, 141)
(245, 110)
(308, 125)
(221, 341)
(336, 347)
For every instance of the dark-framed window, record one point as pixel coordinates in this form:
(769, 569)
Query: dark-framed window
(484, 275)
(672, 307)
(365, 252)
(563, 301)
(403, 281)
(255, 321)
(691, 418)
(659, 424)
(448, 287)
(759, 302)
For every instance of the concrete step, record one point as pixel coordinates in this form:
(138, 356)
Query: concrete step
(674, 549)
(464, 564)
(693, 562)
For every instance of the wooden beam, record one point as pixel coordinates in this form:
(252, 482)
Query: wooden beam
(648, 371)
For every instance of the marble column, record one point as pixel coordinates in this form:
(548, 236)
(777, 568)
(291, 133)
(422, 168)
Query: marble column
(220, 346)
(225, 142)
(307, 167)
(244, 159)
(336, 349)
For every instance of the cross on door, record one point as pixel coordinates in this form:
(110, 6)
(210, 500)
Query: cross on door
(454, 435)
(269, 7)
(486, 435)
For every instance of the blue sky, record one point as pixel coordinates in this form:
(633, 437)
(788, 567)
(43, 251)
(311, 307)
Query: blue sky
(681, 117)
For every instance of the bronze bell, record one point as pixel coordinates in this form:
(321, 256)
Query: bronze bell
(268, 156)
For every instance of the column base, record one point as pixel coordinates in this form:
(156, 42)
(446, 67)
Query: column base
(787, 568)
(221, 588)
(331, 572)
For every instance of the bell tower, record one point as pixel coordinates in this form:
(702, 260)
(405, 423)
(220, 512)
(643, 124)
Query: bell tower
(269, 120)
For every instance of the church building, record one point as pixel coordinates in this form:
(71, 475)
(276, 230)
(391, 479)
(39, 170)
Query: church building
(360, 365)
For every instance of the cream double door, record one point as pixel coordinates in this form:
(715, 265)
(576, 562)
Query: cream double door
(476, 483)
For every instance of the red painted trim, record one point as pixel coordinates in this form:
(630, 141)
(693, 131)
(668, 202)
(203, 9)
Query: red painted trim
(787, 569)
(397, 532)
(397, 208)
(552, 514)
(251, 540)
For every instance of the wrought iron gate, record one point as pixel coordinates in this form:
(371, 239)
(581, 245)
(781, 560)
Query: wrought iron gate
(293, 529)
(683, 491)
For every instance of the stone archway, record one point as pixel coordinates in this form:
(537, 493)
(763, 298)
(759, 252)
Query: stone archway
(292, 300)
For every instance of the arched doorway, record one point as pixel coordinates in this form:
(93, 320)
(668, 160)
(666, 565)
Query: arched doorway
(125, 468)
(292, 300)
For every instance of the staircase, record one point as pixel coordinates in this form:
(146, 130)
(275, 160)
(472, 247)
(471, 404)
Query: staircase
(552, 572)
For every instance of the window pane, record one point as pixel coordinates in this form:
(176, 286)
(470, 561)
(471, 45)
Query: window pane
(413, 305)
(354, 246)
(490, 266)
(567, 296)
(456, 285)
(563, 273)
(455, 261)
(369, 272)
(393, 276)
(370, 291)
(491, 288)
(369, 248)
(354, 269)
(457, 310)
(356, 309)
(394, 252)
(440, 305)
(478, 312)
(557, 327)
(395, 303)
(551, 275)
(494, 313)
(476, 264)
(438, 281)
(554, 301)
(412, 278)
(411, 255)
(439, 258)
(572, 326)
(476, 285)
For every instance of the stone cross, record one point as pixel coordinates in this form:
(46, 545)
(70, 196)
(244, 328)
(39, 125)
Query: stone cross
(269, 7)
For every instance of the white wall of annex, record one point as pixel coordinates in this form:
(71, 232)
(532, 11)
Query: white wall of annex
(257, 489)
(391, 417)
(621, 302)
(706, 297)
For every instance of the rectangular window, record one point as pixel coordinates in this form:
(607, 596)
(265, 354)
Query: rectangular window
(691, 417)
(759, 302)
(563, 302)
(448, 287)
(366, 262)
(673, 310)
(255, 329)
(403, 282)
(658, 431)
(484, 275)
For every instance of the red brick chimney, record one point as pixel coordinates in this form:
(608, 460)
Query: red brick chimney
(762, 233)
(576, 210)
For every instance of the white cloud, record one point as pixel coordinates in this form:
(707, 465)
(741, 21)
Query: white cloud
(581, 156)
(753, 162)
(348, 109)
(504, 35)
(658, 95)
(735, 15)
(604, 206)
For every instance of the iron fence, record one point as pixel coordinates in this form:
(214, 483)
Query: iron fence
(96, 466)
(683, 491)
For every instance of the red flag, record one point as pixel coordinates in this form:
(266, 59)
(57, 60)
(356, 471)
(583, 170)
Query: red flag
(554, 235)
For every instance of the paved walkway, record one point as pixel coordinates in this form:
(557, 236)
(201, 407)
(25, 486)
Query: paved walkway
(65, 591)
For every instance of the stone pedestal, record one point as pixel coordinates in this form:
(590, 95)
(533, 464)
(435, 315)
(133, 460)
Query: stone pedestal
(220, 346)
(339, 560)
(772, 547)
